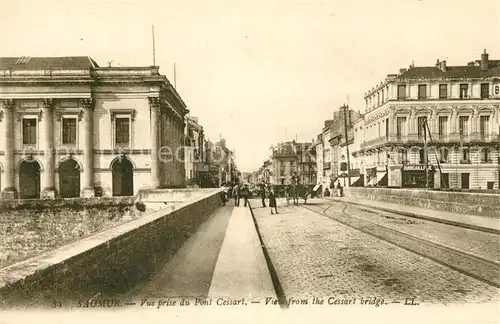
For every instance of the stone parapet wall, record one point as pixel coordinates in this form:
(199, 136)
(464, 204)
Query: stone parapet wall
(79, 203)
(483, 204)
(173, 195)
(107, 263)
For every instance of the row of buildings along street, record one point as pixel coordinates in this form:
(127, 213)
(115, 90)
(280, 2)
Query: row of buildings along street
(437, 120)
(72, 128)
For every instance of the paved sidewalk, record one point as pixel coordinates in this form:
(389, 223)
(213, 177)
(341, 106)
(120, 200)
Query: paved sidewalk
(189, 272)
(471, 221)
(241, 270)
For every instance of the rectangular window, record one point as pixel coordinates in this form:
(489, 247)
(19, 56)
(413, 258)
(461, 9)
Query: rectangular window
(403, 156)
(383, 96)
(401, 92)
(443, 91)
(122, 130)
(485, 90)
(445, 180)
(400, 126)
(422, 91)
(485, 155)
(69, 130)
(463, 122)
(465, 155)
(483, 125)
(465, 180)
(443, 155)
(443, 126)
(464, 90)
(421, 154)
(387, 128)
(29, 131)
(378, 98)
(421, 127)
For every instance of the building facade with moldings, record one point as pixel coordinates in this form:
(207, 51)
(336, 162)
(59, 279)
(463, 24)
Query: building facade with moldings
(194, 151)
(461, 107)
(70, 128)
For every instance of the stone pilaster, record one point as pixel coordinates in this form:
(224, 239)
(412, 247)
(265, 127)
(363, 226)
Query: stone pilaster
(168, 165)
(88, 150)
(183, 154)
(154, 106)
(175, 140)
(48, 191)
(10, 191)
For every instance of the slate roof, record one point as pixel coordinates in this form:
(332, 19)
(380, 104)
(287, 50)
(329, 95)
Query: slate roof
(452, 72)
(40, 63)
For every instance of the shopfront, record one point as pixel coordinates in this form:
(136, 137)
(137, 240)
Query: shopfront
(413, 176)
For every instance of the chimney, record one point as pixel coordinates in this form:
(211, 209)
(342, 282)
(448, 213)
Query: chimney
(484, 61)
(437, 63)
(442, 66)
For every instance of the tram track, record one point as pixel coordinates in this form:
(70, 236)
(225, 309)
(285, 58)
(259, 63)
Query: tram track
(470, 265)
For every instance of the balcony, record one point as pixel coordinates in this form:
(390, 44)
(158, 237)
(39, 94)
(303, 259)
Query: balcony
(327, 165)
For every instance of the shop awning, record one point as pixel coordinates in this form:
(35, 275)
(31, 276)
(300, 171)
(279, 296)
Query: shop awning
(382, 178)
(354, 180)
(359, 182)
(316, 187)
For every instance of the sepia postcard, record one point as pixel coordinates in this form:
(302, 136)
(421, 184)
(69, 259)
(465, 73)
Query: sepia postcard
(235, 161)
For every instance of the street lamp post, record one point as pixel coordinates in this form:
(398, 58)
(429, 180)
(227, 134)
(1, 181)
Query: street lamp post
(345, 107)
(426, 156)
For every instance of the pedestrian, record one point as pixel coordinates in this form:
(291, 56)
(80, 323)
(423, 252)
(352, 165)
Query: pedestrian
(236, 195)
(287, 194)
(229, 191)
(245, 192)
(222, 194)
(272, 201)
(339, 189)
(327, 193)
(263, 194)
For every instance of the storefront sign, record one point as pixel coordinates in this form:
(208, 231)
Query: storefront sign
(415, 167)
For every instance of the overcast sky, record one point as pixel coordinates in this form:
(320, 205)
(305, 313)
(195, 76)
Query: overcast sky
(256, 70)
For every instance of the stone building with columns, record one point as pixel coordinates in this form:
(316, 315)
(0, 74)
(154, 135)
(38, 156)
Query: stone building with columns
(70, 128)
(461, 107)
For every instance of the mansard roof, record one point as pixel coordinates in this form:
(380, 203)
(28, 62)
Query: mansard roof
(451, 72)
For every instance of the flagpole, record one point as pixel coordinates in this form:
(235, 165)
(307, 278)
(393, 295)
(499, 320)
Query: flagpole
(154, 54)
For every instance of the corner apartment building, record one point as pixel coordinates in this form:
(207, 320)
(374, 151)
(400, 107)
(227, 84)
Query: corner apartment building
(290, 157)
(461, 107)
(220, 160)
(70, 128)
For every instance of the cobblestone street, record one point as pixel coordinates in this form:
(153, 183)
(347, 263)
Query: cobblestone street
(316, 256)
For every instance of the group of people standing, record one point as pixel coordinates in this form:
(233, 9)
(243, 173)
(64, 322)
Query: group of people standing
(237, 192)
(269, 191)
